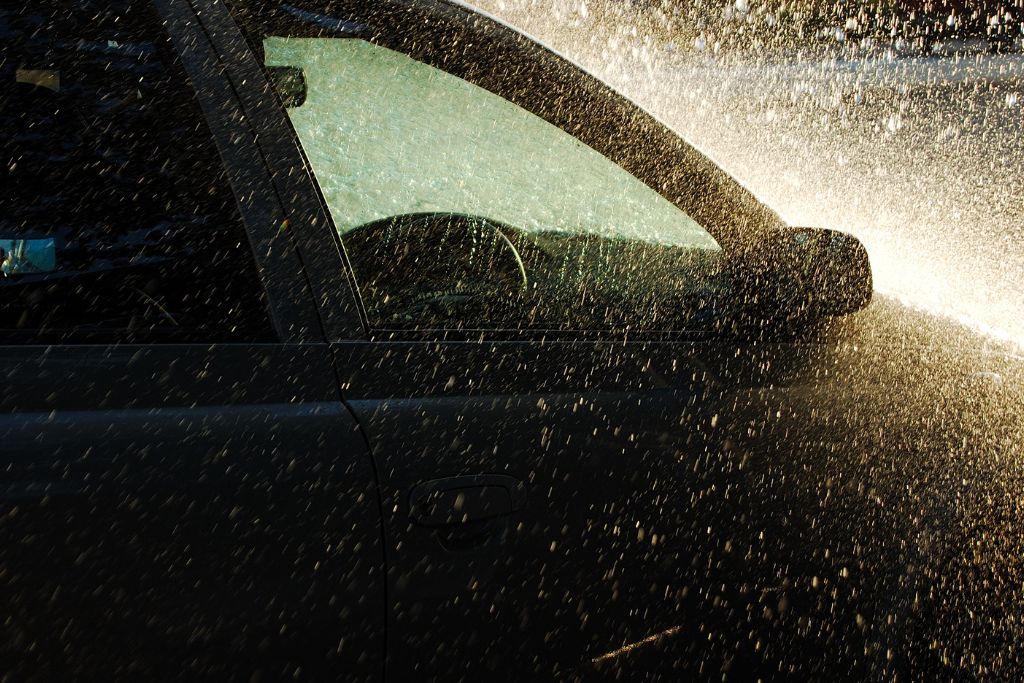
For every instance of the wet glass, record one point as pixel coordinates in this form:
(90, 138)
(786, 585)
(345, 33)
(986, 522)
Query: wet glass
(459, 208)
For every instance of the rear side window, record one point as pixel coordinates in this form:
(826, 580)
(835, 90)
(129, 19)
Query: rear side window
(116, 219)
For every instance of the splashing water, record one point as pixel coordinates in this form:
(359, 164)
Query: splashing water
(921, 158)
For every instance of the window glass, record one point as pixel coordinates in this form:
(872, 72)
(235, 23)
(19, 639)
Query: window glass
(116, 220)
(459, 208)
(388, 135)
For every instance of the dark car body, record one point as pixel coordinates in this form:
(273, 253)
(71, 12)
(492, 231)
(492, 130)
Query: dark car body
(216, 464)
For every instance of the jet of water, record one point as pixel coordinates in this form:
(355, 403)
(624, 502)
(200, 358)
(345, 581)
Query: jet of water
(920, 157)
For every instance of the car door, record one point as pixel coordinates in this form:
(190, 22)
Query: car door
(580, 490)
(599, 510)
(183, 495)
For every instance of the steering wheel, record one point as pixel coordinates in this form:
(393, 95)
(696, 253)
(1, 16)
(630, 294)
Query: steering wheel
(447, 266)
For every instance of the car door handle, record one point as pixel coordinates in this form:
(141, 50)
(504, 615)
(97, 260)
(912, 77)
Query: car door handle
(455, 501)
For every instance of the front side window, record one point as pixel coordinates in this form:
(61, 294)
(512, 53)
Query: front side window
(458, 208)
(116, 220)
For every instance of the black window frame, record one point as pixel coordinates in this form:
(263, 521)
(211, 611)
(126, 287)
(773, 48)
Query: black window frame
(273, 224)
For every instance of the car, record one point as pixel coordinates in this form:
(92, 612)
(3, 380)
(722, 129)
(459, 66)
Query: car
(378, 341)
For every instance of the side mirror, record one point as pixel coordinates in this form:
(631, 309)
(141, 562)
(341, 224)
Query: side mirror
(834, 270)
(787, 278)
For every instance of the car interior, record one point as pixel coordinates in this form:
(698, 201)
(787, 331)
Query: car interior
(87, 172)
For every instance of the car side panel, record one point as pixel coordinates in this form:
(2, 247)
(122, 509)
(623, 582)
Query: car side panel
(185, 513)
(685, 509)
(605, 547)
